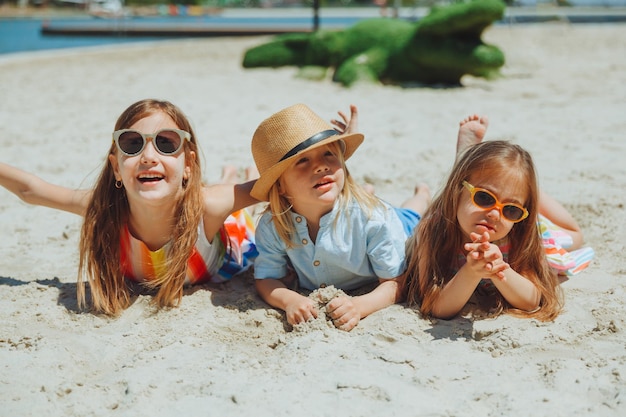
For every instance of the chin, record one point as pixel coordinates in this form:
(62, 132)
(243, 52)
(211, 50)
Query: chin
(156, 194)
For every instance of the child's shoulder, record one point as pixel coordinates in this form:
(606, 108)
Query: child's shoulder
(368, 214)
(373, 205)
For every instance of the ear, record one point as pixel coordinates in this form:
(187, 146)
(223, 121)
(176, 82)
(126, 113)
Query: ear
(188, 163)
(115, 165)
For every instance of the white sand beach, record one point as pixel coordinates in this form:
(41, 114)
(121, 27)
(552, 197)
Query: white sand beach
(224, 352)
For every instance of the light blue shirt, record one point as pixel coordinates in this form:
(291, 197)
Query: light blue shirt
(349, 253)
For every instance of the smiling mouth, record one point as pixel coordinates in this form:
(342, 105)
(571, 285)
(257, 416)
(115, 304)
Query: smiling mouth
(147, 178)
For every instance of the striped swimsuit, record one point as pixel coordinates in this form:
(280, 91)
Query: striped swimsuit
(231, 252)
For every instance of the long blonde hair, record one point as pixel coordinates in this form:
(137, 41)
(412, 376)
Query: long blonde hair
(108, 212)
(280, 207)
(433, 249)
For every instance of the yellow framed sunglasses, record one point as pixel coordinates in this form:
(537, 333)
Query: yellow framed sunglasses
(486, 200)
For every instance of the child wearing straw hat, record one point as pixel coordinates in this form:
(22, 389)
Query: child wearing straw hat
(320, 224)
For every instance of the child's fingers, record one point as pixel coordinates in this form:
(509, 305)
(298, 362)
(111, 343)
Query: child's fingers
(339, 126)
(338, 123)
(493, 256)
(344, 119)
(497, 268)
(349, 325)
(479, 242)
(479, 238)
(343, 313)
(301, 313)
(500, 274)
(477, 248)
(335, 305)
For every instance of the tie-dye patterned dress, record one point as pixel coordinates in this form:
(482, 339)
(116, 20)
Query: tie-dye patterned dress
(232, 251)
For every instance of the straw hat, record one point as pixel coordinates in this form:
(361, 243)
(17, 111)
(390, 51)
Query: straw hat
(280, 138)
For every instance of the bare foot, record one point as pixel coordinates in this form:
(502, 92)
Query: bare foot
(420, 200)
(472, 130)
(229, 175)
(252, 173)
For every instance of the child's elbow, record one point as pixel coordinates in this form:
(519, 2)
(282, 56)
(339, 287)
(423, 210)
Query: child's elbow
(442, 312)
(27, 195)
(443, 315)
(530, 306)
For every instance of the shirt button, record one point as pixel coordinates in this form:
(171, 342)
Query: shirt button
(316, 263)
(304, 241)
(298, 219)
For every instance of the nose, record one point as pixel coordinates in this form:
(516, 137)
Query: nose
(494, 213)
(149, 153)
(321, 165)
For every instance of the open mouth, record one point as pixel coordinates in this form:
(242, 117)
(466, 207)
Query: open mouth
(321, 184)
(149, 178)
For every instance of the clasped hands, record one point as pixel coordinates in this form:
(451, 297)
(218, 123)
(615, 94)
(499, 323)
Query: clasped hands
(485, 256)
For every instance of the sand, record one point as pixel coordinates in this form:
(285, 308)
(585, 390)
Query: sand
(224, 352)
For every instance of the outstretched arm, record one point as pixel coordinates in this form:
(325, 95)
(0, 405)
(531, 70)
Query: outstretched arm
(33, 190)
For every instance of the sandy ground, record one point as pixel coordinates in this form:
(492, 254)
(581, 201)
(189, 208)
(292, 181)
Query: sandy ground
(224, 352)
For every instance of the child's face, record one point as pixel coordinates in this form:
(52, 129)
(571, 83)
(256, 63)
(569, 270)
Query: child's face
(150, 175)
(507, 189)
(314, 181)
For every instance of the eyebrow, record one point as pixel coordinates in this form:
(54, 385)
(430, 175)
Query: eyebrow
(498, 195)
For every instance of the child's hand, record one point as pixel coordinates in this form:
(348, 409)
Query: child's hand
(344, 313)
(349, 124)
(485, 255)
(302, 309)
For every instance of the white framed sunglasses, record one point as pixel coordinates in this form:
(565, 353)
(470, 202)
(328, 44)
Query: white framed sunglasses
(167, 142)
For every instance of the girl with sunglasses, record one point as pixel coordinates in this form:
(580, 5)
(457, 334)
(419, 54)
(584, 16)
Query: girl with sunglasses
(149, 219)
(480, 241)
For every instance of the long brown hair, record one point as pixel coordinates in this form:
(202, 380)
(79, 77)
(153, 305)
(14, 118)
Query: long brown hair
(280, 207)
(433, 249)
(108, 212)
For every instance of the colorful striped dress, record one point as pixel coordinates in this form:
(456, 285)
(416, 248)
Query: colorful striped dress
(232, 251)
(556, 242)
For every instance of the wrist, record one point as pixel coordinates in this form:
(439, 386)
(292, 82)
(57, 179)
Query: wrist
(471, 275)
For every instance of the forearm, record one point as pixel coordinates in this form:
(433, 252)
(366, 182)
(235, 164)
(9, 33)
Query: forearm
(456, 293)
(19, 182)
(384, 295)
(242, 197)
(33, 190)
(297, 307)
(275, 293)
(222, 200)
(518, 291)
